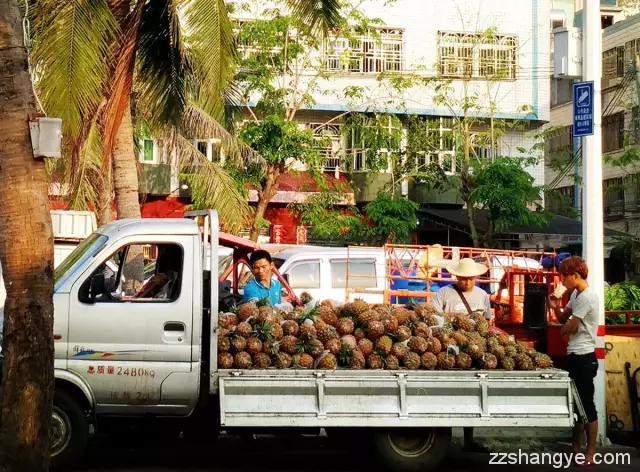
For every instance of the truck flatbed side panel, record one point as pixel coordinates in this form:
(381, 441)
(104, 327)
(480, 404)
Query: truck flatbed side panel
(279, 398)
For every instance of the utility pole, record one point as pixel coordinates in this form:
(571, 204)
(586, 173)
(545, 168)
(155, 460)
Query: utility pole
(592, 225)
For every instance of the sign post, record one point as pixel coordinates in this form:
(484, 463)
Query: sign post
(582, 109)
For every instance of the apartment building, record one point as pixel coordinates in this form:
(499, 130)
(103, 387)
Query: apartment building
(507, 69)
(620, 133)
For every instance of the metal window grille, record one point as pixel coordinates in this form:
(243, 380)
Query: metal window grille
(378, 51)
(474, 55)
(329, 140)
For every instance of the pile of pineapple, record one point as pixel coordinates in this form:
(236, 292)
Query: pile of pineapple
(361, 336)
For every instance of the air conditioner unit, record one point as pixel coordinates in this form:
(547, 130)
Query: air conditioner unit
(567, 52)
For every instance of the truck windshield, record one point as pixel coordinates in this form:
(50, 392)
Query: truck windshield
(85, 250)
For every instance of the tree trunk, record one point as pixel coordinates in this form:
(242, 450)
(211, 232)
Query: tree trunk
(26, 254)
(467, 184)
(125, 170)
(269, 190)
(105, 196)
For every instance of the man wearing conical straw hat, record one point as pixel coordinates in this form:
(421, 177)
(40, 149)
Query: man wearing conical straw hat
(450, 299)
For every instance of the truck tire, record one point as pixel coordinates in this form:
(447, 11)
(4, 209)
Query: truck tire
(411, 450)
(69, 431)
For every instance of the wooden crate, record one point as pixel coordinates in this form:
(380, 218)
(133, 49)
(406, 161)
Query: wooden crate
(620, 349)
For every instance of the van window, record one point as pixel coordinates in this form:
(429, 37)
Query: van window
(305, 274)
(362, 273)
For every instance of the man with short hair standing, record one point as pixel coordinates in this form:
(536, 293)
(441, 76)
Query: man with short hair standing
(264, 284)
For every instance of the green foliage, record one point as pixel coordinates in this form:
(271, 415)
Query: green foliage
(507, 191)
(392, 219)
(622, 296)
(278, 141)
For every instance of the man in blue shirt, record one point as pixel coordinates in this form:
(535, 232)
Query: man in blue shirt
(265, 284)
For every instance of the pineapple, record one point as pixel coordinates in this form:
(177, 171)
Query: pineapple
(314, 347)
(242, 360)
(367, 317)
(305, 297)
(375, 361)
(303, 361)
(328, 361)
(390, 324)
(276, 331)
(475, 351)
(498, 351)
(488, 361)
(429, 360)
(307, 330)
(403, 333)
(422, 329)
(391, 362)
(375, 329)
(402, 315)
(271, 347)
(434, 346)
(464, 361)
(244, 329)
(254, 345)
(346, 325)
(227, 320)
(263, 330)
(523, 362)
(290, 328)
(266, 314)
(357, 360)
(247, 311)
(463, 323)
(261, 360)
(446, 361)
(384, 344)
(328, 315)
(326, 332)
(425, 310)
(282, 360)
(349, 341)
(504, 339)
(225, 360)
(412, 361)
(359, 334)
(482, 326)
(507, 363)
(510, 350)
(333, 346)
(460, 338)
(238, 343)
(224, 344)
(399, 350)
(360, 306)
(289, 344)
(418, 344)
(542, 361)
(365, 346)
(431, 320)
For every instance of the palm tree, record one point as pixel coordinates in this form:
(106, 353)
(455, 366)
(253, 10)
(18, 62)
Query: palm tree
(176, 55)
(26, 253)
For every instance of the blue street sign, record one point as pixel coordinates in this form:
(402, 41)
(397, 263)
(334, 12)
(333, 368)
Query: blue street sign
(583, 108)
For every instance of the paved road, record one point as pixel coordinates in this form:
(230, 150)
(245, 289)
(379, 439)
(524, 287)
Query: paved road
(267, 454)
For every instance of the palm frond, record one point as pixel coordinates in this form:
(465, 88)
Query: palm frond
(84, 180)
(320, 16)
(197, 123)
(164, 64)
(71, 42)
(211, 186)
(210, 40)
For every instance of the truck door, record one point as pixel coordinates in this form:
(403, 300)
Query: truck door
(130, 326)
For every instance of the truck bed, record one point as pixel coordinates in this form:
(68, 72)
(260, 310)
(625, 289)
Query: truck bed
(343, 398)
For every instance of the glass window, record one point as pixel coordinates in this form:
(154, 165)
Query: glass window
(147, 150)
(362, 273)
(375, 51)
(305, 275)
(137, 272)
(86, 250)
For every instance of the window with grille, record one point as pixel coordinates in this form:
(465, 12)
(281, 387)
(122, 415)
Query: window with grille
(613, 190)
(329, 141)
(378, 51)
(477, 55)
(613, 132)
(440, 145)
(613, 62)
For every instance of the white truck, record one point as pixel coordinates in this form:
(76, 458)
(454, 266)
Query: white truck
(140, 354)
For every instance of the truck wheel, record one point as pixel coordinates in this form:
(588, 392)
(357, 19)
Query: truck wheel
(409, 450)
(69, 431)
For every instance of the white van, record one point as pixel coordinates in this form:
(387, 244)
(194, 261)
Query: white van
(341, 274)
